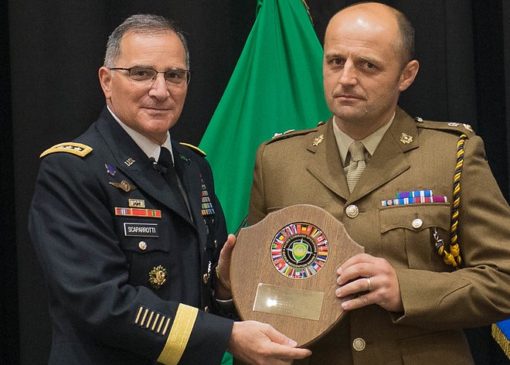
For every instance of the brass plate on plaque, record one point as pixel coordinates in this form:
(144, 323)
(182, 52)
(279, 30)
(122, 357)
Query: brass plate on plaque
(305, 304)
(283, 271)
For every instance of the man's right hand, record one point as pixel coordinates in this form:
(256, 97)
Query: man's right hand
(260, 344)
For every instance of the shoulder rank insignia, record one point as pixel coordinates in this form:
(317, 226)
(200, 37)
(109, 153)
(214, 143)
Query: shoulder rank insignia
(467, 126)
(281, 134)
(458, 128)
(290, 133)
(194, 148)
(78, 149)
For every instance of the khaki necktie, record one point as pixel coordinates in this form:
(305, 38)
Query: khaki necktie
(357, 164)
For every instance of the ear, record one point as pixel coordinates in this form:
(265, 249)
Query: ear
(408, 74)
(105, 79)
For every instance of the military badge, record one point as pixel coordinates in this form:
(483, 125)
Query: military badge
(136, 212)
(136, 203)
(406, 138)
(123, 185)
(157, 276)
(129, 162)
(110, 169)
(318, 140)
(206, 205)
(414, 197)
(299, 250)
(185, 159)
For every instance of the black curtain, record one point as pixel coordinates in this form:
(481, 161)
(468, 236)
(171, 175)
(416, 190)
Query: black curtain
(49, 93)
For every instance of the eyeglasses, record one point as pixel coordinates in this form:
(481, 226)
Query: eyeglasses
(175, 76)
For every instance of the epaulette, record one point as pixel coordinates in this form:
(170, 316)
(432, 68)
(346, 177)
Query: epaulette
(290, 133)
(193, 148)
(458, 128)
(78, 149)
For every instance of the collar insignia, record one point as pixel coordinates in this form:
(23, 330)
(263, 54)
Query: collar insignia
(129, 162)
(406, 138)
(318, 140)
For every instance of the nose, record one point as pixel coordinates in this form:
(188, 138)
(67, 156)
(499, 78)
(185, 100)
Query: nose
(159, 87)
(348, 76)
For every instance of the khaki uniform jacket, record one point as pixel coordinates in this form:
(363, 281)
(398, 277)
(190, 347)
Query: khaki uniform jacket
(305, 167)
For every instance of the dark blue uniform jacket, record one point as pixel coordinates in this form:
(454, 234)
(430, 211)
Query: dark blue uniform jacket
(128, 273)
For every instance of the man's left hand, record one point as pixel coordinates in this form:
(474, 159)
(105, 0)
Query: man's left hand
(364, 280)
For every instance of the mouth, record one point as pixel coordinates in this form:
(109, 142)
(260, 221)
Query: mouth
(156, 108)
(347, 97)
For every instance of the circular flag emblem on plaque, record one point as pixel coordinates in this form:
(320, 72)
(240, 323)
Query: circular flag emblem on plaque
(299, 250)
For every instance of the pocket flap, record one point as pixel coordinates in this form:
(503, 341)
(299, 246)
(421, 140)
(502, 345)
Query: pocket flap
(415, 217)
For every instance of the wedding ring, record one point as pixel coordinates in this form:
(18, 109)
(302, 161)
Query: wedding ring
(369, 288)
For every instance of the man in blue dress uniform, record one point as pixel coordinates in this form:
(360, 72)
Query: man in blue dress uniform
(129, 231)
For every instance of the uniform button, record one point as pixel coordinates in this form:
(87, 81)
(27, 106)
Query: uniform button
(142, 245)
(205, 278)
(206, 309)
(359, 344)
(215, 243)
(352, 211)
(417, 223)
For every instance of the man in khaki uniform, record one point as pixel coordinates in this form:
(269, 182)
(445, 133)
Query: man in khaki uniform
(420, 197)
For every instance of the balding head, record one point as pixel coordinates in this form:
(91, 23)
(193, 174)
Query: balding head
(371, 16)
(366, 66)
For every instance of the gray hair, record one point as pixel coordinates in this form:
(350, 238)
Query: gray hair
(140, 23)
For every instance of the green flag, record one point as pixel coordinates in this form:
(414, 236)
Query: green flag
(276, 86)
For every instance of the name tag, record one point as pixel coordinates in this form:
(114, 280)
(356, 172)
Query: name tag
(141, 229)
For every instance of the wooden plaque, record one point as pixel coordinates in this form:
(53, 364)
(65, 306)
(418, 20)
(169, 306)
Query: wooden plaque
(283, 271)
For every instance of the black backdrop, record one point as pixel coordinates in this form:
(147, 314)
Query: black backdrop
(49, 55)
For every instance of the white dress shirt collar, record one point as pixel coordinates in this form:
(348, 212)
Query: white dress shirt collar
(150, 148)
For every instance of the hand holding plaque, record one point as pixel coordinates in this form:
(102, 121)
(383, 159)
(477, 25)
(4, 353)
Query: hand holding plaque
(283, 271)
